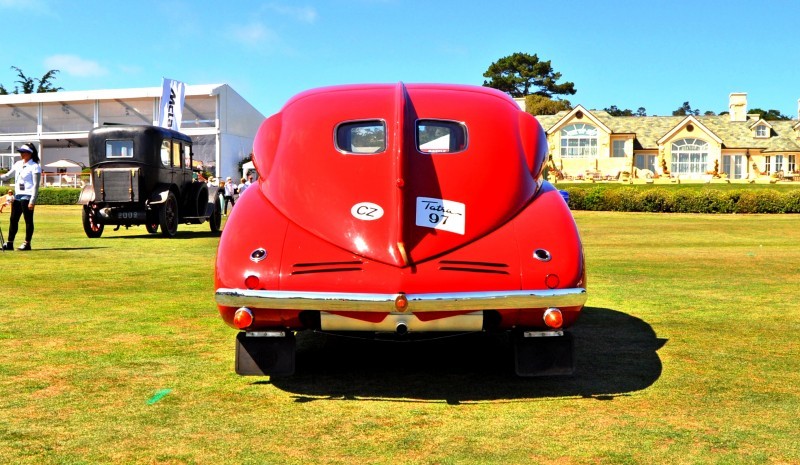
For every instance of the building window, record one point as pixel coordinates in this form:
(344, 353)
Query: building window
(126, 111)
(689, 156)
(791, 166)
(618, 148)
(778, 162)
(67, 117)
(762, 130)
(767, 164)
(579, 141)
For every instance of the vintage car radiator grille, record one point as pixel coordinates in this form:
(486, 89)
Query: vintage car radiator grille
(473, 267)
(326, 267)
(118, 184)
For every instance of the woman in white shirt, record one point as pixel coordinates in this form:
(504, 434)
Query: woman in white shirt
(28, 177)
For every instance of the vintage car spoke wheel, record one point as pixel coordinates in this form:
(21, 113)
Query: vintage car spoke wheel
(152, 223)
(215, 220)
(168, 216)
(90, 225)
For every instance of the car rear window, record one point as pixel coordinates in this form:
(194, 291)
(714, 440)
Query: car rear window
(119, 149)
(361, 137)
(438, 136)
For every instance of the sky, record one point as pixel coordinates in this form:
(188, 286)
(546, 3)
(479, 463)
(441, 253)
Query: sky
(651, 53)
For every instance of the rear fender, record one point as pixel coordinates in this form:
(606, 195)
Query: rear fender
(159, 194)
(87, 195)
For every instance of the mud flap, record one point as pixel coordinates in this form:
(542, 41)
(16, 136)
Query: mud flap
(543, 354)
(265, 356)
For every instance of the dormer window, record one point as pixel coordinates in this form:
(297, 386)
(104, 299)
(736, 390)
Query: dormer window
(762, 130)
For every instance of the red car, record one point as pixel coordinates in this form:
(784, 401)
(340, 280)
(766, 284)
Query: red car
(395, 210)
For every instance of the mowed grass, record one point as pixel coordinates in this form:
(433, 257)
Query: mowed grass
(111, 351)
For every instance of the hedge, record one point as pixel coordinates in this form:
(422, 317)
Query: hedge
(629, 199)
(58, 196)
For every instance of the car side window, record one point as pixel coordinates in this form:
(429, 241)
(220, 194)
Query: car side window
(361, 137)
(165, 153)
(187, 156)
(438, 136)
(176, 154)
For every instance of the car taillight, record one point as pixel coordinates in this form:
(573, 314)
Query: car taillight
(243, 318)
(252, 281)
(553, 318)
(552, 281)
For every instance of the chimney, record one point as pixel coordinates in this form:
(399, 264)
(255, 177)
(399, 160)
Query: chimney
(737, 105)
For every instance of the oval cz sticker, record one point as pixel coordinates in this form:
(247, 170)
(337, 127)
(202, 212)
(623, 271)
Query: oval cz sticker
(366, 211)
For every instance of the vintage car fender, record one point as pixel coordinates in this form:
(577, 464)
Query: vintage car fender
(159, 194)
(87, 195)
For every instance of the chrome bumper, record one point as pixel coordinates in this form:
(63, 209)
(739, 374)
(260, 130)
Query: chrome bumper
(417, 303)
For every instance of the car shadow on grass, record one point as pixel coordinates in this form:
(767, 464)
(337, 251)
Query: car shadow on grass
(615, 354)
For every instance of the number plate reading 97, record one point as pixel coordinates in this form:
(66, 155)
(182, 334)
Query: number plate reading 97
(441, 214)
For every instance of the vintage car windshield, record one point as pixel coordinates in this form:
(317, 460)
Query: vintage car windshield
(437, 136)
(361, 137)
(119, 149)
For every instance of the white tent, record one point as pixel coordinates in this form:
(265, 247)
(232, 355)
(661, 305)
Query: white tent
(247, 167)
(63, 164)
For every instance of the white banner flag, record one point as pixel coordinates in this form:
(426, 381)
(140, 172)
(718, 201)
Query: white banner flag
(172, 96)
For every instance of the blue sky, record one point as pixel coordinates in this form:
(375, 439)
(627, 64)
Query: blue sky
(653, 54)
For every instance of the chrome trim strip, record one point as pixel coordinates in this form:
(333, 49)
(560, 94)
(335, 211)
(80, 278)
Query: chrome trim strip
(363, 302)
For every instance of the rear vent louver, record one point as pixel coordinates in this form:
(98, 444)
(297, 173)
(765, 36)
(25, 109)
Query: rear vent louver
(473, 267)
(326, 267)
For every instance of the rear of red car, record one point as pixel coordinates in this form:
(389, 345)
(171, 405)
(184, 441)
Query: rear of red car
(399, 209)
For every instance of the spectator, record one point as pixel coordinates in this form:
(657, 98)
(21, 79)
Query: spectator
(230, 191)
(28, 177)
(7, 200)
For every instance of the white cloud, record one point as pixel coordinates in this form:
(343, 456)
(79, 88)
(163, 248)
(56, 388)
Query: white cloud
(75, 65)
(253, 34)
(304, 14)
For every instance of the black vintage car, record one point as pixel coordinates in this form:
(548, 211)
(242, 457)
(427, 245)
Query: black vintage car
(143, 175)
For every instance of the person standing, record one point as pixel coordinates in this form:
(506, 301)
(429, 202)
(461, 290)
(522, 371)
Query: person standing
(28, 177)
(230, 191)
(242, 186)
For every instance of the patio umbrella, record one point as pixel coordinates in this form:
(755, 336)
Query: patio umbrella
(63, 164)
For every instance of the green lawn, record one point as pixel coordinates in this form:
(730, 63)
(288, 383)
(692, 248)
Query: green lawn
(111, 351)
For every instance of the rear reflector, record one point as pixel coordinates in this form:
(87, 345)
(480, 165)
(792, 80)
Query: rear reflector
(552, 281)
(553, 318)
(243, 318)
(252, 281)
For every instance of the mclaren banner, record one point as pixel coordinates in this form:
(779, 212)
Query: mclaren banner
(172, 95)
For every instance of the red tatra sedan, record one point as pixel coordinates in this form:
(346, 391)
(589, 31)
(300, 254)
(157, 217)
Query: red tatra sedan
(400, 210)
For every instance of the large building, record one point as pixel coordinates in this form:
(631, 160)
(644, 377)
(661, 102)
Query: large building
(221, 123)
(737, 146)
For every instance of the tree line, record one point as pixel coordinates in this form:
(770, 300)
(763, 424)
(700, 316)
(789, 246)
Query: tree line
(524, 75)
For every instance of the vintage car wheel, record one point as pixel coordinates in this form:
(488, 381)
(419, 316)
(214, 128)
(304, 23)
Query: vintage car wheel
(215, 220)
(92, 228)
(168, 216)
